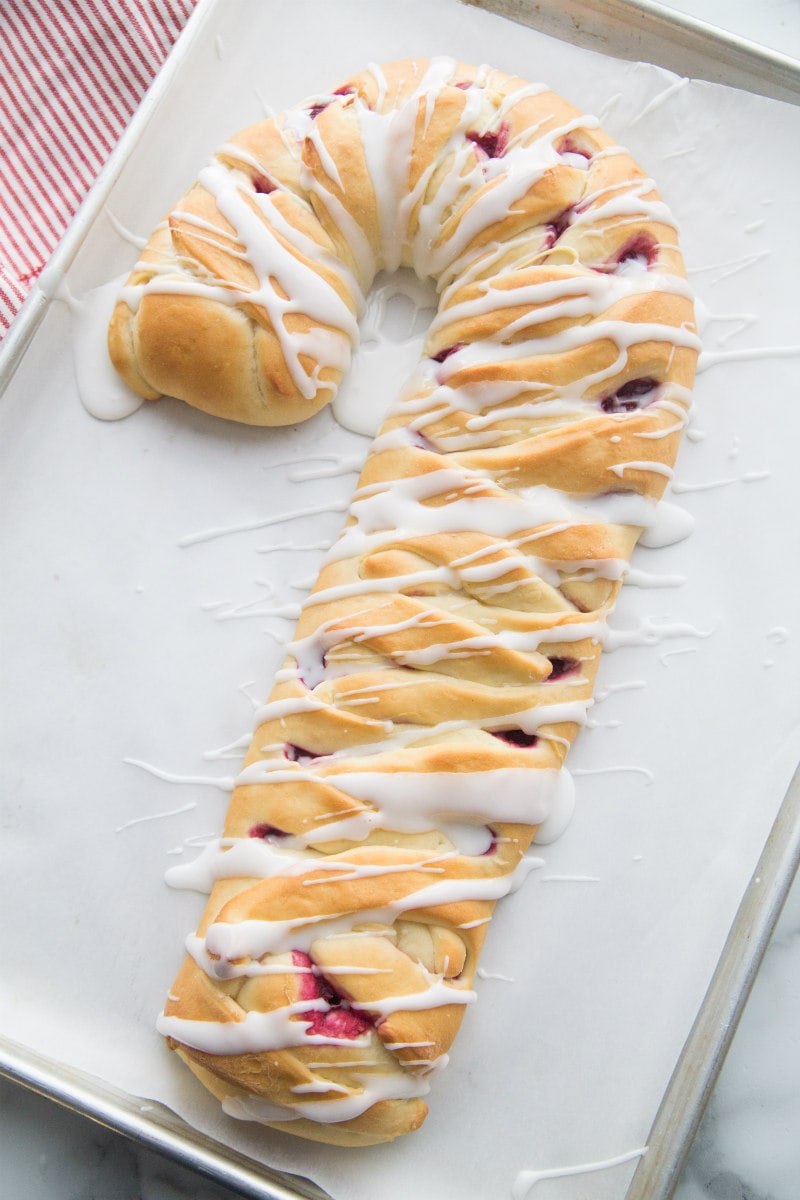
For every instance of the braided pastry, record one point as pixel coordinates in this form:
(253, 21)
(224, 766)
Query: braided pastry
(444, 662)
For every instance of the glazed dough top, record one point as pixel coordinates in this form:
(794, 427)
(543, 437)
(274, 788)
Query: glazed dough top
(535, 227)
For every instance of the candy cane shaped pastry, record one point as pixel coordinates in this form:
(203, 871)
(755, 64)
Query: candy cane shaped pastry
(416, 735)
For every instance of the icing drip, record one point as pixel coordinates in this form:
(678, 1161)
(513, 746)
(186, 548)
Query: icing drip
(526, 1180)
(374, 1088)
(415, 803)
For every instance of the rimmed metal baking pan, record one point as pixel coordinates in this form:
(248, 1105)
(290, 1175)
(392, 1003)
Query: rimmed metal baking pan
(645, 31)
(638, 31)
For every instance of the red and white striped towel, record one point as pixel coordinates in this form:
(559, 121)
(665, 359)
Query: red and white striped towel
(72, 73)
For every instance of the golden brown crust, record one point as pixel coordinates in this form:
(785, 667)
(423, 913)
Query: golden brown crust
(446, 657)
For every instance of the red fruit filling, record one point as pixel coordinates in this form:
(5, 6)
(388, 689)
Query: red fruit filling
(314, 110)
(642, 249)
(338, 1021)
(516, 737)
(492, 847)
(561, 667)
(557, 226)
(630, 396)
(420, 441)
(298, 754)
(267, 832)
(307, 983)
(448, 350)
(464, 84)
(493, 143)
(568, 145)
(263, 185)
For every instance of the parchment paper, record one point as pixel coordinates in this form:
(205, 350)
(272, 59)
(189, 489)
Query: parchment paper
(122, 644)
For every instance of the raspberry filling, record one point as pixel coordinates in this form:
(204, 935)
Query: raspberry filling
(561, 667)
(315, 109)
(641, 250)
(448, 350)
(338, 1021)
(630, 397)
(569, 149)
(263, 185)
(516, 737)
(299, 754)
(492, 144)
(420, 441)
(559, 224)
(268, 833)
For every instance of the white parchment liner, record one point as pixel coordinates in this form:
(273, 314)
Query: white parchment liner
(117, 647)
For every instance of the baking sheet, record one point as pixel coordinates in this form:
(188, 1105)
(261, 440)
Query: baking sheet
(646, 31)
(128, 654)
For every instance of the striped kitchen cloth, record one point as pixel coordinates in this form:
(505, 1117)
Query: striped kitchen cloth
(72, 73)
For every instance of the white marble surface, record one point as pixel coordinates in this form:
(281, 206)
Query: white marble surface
(748, 1147)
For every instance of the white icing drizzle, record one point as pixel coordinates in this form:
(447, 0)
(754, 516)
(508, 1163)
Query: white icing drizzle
(375, 1087)
(525, 1181)
(102, 391)
(660, 99)
(227, 946)
(624, 768)
(645, 579)
(209, 535)
(731, 267)
(657, 468)
(623, 333)
(557, 820)
(671, 524)
(224, 783)
(436, 995)
(712, 358)
(339, 465)
(255, 1032)
(232, 858)
(650, 632)
(175, 812)
(410, 802)
(712, 484)
(576, 296)
(662, 658)
(387, 139)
